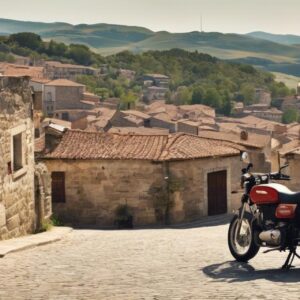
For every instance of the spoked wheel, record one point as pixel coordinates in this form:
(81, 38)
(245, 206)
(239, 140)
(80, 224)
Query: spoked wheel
(240, 239)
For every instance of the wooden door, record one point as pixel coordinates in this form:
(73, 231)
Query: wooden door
(58, 187)
(217, 193)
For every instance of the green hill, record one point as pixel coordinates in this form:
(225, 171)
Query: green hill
(107, 39)
(278, 53)
(288, 39)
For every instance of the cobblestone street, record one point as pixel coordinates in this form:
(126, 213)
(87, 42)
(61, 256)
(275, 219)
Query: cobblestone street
(191, 263)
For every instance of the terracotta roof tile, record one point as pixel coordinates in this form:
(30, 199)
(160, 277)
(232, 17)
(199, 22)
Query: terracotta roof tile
(63, 82)
(254, 140)
(77, 144)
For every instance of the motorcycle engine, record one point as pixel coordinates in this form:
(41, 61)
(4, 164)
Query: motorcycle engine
(274, 234)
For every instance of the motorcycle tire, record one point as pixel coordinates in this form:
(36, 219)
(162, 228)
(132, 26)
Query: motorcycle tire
(253, 249)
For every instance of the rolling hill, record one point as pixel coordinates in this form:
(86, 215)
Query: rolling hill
(278, 53)
(287, 39)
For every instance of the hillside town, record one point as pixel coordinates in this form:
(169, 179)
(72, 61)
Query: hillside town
(185, 148)
(132, 169)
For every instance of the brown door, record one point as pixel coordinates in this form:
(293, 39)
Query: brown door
(217, 193)
(58, 187)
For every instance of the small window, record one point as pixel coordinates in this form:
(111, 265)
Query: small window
(17, 152)
(58, 187)
(65, 116)
(49, 96)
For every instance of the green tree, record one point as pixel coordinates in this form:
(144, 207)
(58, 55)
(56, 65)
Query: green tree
(183, 96)
(290, 115)
(213, 98)
(128, 100)
(198, 95)
(247, 92)
(80, 54)
(26, 40)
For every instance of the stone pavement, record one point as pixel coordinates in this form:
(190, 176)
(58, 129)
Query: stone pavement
(178, 263)
(31, 241)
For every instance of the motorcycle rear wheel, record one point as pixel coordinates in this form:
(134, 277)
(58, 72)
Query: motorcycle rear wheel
(242, 246)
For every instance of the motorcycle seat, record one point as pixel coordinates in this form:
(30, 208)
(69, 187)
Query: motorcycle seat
(285, 195)
(289, 197)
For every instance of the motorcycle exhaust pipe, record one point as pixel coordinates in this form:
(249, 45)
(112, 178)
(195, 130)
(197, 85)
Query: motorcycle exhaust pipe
(270, 236)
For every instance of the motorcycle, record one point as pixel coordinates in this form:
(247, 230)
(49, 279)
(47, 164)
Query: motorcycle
(269, 217)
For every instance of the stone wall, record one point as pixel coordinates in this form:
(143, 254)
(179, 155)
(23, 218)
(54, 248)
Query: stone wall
(187, 128)
(155, 122)
(62, 98)
(294, 171)
(16, 187)
(191, 201)
(94, 189)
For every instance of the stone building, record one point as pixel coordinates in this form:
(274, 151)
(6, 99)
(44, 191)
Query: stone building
(25, 194)
(130, 118)
(57, 70)
(258, 146)
(293, 159)
(156, 176)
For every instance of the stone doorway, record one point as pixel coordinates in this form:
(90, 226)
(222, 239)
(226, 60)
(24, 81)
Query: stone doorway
(42, 196)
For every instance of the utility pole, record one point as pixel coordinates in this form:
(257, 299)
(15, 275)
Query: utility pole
(201, 24)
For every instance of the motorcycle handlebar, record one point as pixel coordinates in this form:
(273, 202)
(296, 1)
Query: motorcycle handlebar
(279, 176)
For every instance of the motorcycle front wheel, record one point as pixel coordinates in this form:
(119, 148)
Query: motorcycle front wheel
(241, 242)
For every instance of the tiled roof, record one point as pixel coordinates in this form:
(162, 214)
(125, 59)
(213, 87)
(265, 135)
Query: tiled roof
(139, 130)
(63, 82)
(136, 113)
(58, 64)
(20, 70)
(39, 144)
(254, 140)
(77, 144)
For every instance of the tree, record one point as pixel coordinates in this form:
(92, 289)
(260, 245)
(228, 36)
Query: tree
(128, 99)
(290, 115)
(247, 92)
(80, 54)
(213, 98)
(26, 40)
(183, 96)
(227, 104)
(198, 95)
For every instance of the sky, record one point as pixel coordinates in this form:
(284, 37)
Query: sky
(237, 16)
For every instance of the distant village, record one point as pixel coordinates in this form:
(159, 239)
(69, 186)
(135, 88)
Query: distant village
(68, 152)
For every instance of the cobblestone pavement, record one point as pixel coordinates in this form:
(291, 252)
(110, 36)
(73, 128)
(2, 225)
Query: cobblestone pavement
(191, 263)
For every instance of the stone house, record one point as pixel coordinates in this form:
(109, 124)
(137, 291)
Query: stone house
(163, 120)
(58, 70)
(25, 193)
(263, 97)
(154, 175)
(188, 126)
(272, 114)
(158, 80)
(293, 159)
(152, 93)
(130, 118)
(258, 146)
(37, 86)
(63, 94)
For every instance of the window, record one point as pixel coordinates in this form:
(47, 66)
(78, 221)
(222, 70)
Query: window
(49, 96)
(18, 151)
(65, 116)
(58, 187)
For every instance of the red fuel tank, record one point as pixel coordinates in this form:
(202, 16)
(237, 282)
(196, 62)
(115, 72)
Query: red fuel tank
(264, 194)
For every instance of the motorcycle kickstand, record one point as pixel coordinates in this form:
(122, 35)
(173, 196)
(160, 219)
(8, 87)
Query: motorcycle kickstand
(288, 263)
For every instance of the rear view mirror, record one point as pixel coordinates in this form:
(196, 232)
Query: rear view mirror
(245, 157)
